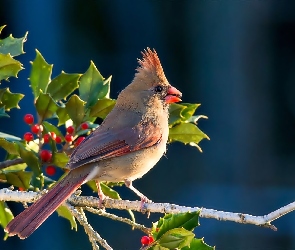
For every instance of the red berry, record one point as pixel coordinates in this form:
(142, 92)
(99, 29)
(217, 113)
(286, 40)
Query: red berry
(145, 240)
(53, 135)
(21, 189)
(79, 140)
(58, 139)
(29, 119)
(28, 137)
(37, 128)
(84, 125)
(45, 155)
(50, 170)
(70, 129)
(46, 138)
(151, 239)
(69, 138)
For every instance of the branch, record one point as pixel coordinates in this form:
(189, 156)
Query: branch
(93, 235)
(264, 221)
(8, 163)
(118, 218)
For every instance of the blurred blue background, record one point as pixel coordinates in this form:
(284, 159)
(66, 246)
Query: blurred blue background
(235, 57)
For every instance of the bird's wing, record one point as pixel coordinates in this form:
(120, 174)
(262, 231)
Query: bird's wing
(104, 144)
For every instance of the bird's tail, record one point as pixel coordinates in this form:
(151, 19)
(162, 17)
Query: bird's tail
(30, 219)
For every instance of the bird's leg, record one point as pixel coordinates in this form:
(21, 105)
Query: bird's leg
(143, 198)
(101, 195)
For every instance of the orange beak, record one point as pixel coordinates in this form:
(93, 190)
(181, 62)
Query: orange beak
(173, 95)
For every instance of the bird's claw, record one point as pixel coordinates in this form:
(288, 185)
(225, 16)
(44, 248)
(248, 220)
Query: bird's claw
(143, 201)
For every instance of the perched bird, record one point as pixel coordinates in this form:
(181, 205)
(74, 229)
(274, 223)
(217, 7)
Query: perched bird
(128, 143)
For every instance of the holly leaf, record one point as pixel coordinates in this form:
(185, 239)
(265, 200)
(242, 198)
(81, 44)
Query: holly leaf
(181, 112)
(93, 86)
(9, 100)
(11, 45)
(5, 216)
(187, 221)
(30, 158)
(60, 159)
(176, 238)
(2, 27)
(9, 66)
(45, 106)
(3, 113)
(9, 137)
(40, 74)
(62, 115)
(187, 133)
(174, 113)
(63, 85)
(108, 191)
(158, 247)
(65, 213)
(102, 108)
(75, 109)
(14, 168)
(10, 147)
(19, 179)
(198, 244)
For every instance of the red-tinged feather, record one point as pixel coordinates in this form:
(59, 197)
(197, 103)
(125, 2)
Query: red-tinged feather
(102, 144)
(30, 219)
(151, 62)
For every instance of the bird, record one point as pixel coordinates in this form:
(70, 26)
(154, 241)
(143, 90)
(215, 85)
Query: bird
(127, 144)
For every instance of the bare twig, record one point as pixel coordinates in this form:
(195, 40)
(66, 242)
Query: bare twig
(92, 234)
(8, 163)
(118, 218)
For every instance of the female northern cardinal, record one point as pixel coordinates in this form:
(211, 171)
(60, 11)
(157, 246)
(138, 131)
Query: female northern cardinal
(128, 143)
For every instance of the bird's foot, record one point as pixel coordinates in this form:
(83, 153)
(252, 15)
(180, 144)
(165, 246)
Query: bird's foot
(101, 196)
(101, 202)
(143, 202)
(143, 198)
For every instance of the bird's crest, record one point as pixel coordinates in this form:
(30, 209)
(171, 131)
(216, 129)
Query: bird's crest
(150, 62)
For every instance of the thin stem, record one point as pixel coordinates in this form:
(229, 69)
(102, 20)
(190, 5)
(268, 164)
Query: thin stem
(8, 163)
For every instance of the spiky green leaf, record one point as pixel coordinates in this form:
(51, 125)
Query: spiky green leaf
(5, 216)
(19, 179)
(9, 137)
(65, 213)
(13, 46)
(62, 115)
(75, 109)
(10, 147)
(93, 86)
(3, 113)
(9, 100)
(63, 85)
(102, 108)
(181, 112)
(40, 74)
(45, 106)
(186, 133)
(176, 238)
(30, 158)
(8, 66)
(187, 221)
(60, 159)
(198, 244)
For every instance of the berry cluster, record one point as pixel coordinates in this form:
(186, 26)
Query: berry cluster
(147, 240)
(46, 155)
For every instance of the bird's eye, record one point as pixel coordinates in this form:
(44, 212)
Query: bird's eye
(158, 88)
